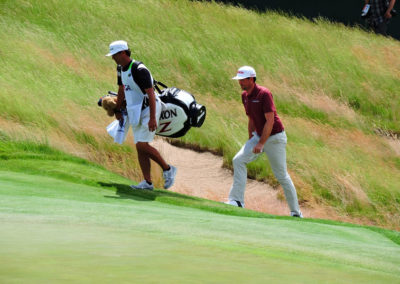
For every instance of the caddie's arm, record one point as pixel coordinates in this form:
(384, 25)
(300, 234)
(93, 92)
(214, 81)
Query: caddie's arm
(269, 116)
(120, 100)
(152, 105)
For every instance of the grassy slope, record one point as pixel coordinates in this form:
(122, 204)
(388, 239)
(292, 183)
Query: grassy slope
(332, 85)
(77, 222)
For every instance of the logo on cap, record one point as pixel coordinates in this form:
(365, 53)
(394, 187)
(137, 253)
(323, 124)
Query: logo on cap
(117, 46)
(245, 72)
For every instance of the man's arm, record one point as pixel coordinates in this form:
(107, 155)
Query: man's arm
(152, 105)
(120, 100)
(388, 14)
(269, 116)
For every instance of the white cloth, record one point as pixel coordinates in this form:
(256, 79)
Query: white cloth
(275, 149)
(134, 113)
(118, 131)
(141, 132)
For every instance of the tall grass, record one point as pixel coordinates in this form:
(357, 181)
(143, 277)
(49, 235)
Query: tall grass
(333, 86)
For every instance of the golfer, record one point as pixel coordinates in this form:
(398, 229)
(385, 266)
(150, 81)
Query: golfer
(135, 87)
(266, 134)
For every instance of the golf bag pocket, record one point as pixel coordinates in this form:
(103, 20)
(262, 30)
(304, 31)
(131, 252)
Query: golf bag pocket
(197, 114)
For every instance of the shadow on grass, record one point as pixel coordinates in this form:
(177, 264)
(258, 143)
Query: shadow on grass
(126, 192)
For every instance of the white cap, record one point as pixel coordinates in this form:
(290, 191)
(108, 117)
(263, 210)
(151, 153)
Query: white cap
(117, 46)
(245, 72)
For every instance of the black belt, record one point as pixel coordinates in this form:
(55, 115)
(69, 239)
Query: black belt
(277, 132)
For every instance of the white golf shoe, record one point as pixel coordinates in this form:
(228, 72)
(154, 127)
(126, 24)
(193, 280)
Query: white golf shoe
(169, 177)
(296, 214)
(143, 185)
(235, 203)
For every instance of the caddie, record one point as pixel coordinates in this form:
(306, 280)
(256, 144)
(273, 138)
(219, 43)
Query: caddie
(135, 87)
(266, 134)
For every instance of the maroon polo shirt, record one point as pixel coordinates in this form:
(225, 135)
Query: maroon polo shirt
(256, 104)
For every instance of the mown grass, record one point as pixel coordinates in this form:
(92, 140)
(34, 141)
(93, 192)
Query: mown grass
(326, 79)
(36, 158)
(53, 230)
(63, 218)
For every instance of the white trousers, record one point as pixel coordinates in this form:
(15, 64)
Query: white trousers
(275, 149)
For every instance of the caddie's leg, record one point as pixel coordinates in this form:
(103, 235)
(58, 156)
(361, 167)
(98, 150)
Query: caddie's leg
(242, 158)
(145, 153)
(144, 162)
(275, 148)
(142, 137)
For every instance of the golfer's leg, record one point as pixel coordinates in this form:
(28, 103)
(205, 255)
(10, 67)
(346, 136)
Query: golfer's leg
(242, 158)
(275, 148)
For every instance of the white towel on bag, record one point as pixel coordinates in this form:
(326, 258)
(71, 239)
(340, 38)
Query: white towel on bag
(118, 131)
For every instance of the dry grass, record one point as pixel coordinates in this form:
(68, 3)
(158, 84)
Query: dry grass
(379, 58)
(64, 139)
(342, 162)
(395, 145)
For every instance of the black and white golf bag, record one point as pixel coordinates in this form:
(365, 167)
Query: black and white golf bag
(180, 112)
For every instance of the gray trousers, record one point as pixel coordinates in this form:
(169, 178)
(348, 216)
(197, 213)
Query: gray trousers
(275, 149)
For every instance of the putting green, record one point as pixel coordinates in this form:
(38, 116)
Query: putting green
(58, 231)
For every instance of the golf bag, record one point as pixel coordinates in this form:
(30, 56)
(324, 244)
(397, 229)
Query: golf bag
(179, 113)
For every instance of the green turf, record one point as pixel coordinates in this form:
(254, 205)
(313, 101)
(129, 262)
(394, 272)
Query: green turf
(53, 230)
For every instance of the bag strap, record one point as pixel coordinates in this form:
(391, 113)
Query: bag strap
(156, 83)
(135, 64)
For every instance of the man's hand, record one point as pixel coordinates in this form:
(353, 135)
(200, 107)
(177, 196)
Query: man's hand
(258, 148)
(121, 122)
(152, 124)
(388, 15)
(118, 115)
(152, 105)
